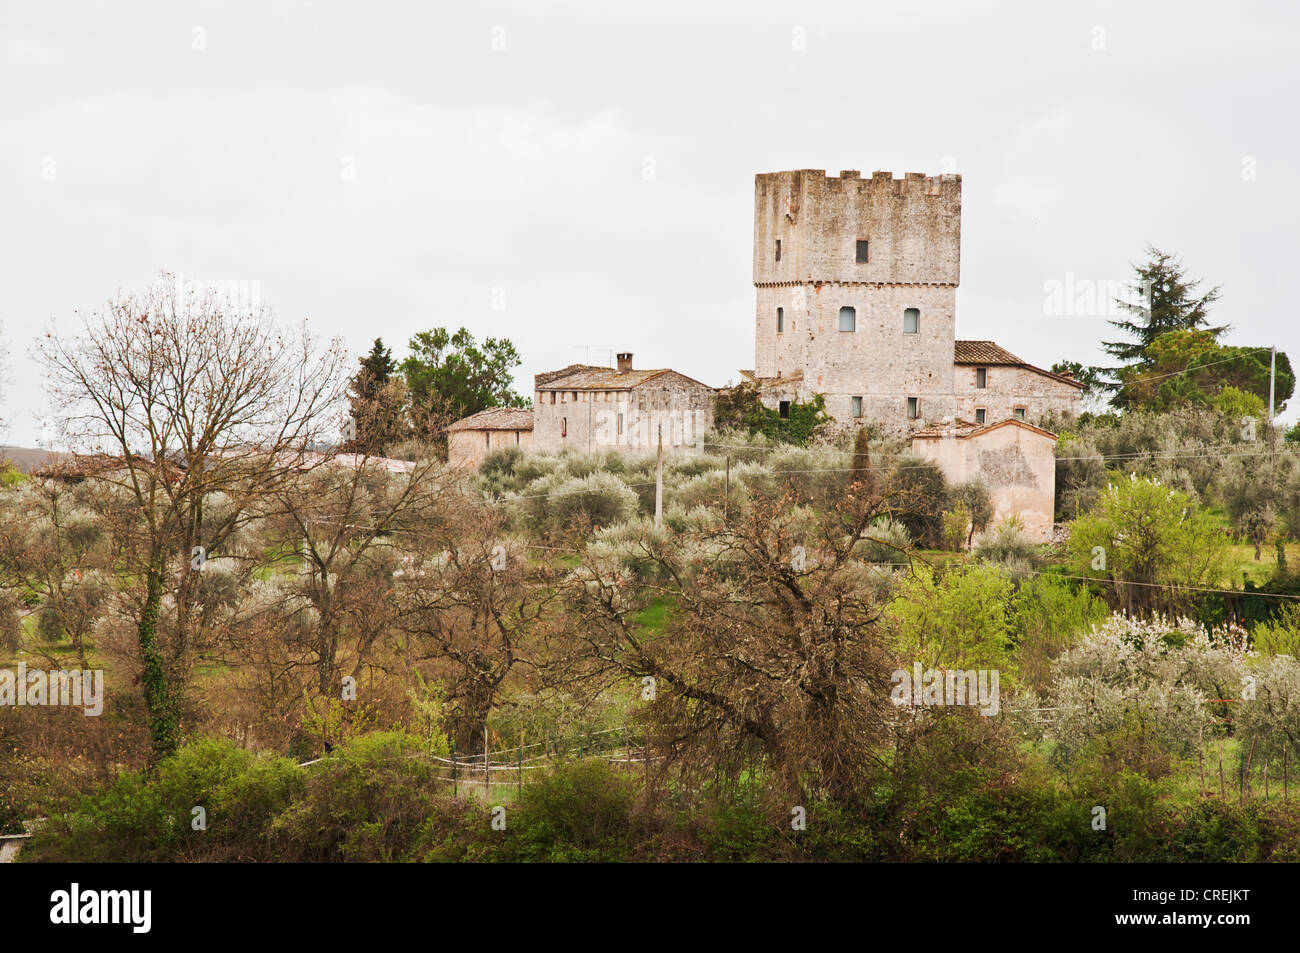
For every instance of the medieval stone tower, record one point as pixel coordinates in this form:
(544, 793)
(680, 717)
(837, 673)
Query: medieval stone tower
(857, 281)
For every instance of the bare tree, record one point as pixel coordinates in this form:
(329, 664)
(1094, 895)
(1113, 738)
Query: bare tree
(190, 401)
(361, 523)
(477, 611)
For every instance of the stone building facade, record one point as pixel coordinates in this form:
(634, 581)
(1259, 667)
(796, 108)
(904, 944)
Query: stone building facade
(1014, 459)
(592, 409)
(993, 384)
(856, 284)
(471, 439)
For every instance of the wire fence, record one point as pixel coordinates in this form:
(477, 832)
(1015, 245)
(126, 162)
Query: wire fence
(500, 771)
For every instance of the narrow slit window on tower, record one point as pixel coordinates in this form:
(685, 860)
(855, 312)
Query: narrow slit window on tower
(780, 320)
(848, 319)
(911, 321)
(913, 408)
(981, 377)
(784, 409)
(564, 426)
(857, 406)
(862, 250)
(778, 249)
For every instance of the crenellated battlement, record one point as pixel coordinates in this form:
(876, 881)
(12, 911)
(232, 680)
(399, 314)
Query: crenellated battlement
(911, 226)
(911, 182)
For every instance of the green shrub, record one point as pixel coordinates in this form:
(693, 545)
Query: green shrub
(367, 801)
(138, 818)
(579, 811)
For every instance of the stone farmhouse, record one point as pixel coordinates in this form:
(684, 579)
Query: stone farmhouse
(589, 408)
(471, 439)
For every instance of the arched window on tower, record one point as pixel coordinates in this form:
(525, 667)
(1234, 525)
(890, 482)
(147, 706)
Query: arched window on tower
(848, 319)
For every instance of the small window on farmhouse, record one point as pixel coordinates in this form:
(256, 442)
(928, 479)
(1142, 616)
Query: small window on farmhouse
(575, 396)
(784, 409)
(780, 320)
(857, 406)
(487, 439)
(564, 426)
(981, 377)
(980, 415)
(911, 321)
(913, 407)
(552, 397)
(862, 250)
(848, 319)
(1019, 413)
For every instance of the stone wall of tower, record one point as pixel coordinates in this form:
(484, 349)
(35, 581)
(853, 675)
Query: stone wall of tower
(912, 227)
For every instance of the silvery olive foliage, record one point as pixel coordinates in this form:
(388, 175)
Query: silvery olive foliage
(1164, 673)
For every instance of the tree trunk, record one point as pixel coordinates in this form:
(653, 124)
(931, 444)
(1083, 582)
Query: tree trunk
(164, 729)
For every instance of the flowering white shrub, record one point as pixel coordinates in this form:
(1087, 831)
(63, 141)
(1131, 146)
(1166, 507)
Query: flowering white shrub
(1164, 676)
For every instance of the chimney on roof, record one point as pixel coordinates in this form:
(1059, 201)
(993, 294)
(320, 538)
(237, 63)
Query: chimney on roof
(1068, 375)
(624, 361)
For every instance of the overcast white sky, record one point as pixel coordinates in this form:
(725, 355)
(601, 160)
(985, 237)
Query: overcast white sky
(1081, 133)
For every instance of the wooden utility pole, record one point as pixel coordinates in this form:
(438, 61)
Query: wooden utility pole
(1200, 751)
(1223, 794)
(1273, 441)
(659, 482)
(726, 490)
(1245, 774)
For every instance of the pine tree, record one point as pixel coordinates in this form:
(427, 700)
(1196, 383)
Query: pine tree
(376, 372)
(376, 402)
(1171, 305)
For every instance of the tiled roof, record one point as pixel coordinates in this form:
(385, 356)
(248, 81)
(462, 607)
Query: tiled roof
(497, 418)
(582, 377)
(964, 428)
(990, 354)
(541, 380)
(982, 352)
(766, 382)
